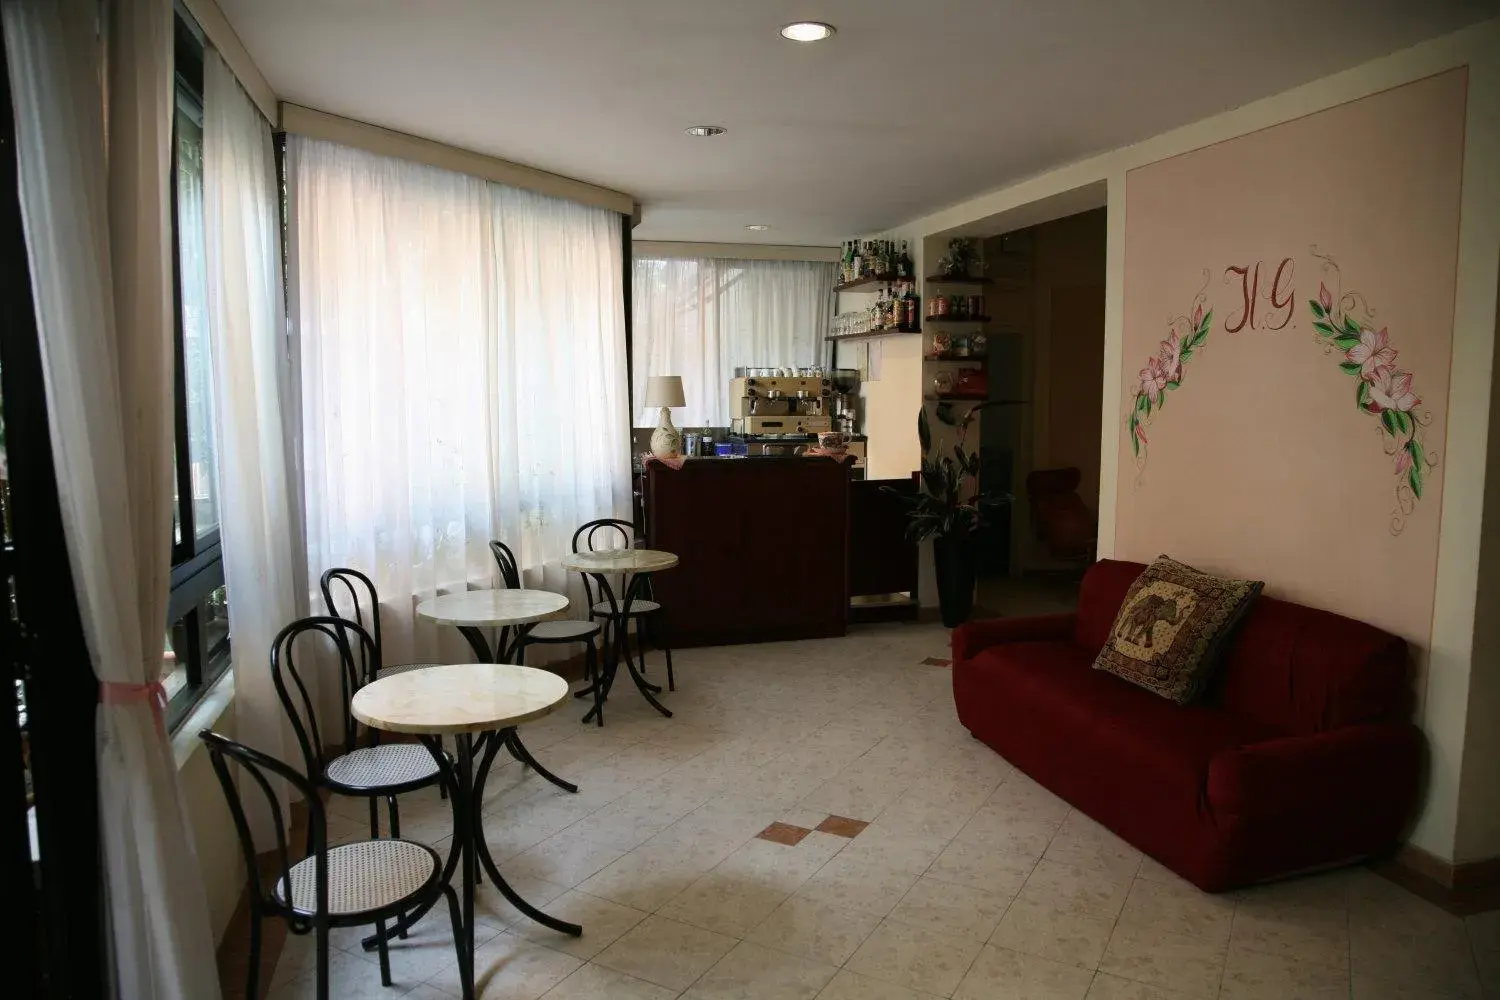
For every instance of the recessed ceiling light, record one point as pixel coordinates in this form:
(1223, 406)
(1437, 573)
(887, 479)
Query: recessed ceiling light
(704, 130)
(807, 31)
(758, 227)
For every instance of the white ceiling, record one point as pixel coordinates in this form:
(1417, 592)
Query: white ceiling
(912, 106)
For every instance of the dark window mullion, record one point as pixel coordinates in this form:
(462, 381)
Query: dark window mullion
(185, 548)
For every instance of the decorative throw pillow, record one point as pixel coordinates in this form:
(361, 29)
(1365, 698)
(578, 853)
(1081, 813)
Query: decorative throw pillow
(1171, 629)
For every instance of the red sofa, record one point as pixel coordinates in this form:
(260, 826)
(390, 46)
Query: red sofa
(1301, 756)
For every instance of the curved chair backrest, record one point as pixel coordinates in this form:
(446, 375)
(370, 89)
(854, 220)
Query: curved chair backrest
(300, 710)
(260, 768)
(362, 603)
(598, 535)
(510, 570)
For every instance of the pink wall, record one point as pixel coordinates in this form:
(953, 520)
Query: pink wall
(1261, 453)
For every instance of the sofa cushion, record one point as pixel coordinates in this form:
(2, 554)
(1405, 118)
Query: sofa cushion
(1172, 628)
(1099, 599)
(1083, 732)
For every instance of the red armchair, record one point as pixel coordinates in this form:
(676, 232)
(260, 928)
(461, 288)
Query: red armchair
(1302, 756)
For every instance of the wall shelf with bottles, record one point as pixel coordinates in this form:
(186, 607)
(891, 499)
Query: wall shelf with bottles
(854, 338)
(957, 279)
(954, 359)
(957, 319)
(871, 282)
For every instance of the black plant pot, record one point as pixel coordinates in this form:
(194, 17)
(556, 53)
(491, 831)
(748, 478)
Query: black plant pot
(955, 558)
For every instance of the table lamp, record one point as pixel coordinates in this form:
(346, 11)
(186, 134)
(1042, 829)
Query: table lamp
(665, 391)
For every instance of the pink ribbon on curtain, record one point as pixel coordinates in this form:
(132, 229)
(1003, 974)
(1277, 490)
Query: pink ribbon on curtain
(122, 693)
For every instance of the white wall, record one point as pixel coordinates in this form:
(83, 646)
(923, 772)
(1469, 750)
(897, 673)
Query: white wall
(1447, 711)
(217, 845)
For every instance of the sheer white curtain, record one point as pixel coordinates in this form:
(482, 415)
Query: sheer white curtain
(258, 490)
(97, 230)
(463, 378)
(703, 318)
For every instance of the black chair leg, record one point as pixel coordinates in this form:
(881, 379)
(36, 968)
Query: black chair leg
(465, 970)
(395, 834)
(374, 819)
(591, 667)
(667, 652)
(252, 977)
(321, 934)
(385, 954)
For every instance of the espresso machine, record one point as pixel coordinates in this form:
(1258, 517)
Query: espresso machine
(796, 404)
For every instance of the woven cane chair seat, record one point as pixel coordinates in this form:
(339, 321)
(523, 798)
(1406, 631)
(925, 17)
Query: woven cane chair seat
(402, 668)
(559, 631)
(362, 877)
(638, 606)
(384, 766)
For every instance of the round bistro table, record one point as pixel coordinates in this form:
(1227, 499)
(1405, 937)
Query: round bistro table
(465, 700)
(636, 567)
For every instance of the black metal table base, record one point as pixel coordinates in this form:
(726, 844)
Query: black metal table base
(616, 649)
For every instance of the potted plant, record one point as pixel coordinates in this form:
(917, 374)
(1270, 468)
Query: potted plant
(949, 507)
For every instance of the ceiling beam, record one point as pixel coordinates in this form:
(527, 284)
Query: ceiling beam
(733, 251)
(222, 36)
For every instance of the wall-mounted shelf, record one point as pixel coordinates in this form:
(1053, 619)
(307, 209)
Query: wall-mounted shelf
(870, 281)
(872, 335)
(957, 319)
(943, 279)
(949, 359)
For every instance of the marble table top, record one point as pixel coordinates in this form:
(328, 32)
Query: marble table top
(493, 607)
(620, 561)
(461, 698)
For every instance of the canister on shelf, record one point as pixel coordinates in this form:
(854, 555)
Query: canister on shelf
(976, 306)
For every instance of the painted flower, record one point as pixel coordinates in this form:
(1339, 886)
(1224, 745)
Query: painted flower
(1154, 379)
(1392, 391)
(1403, 460)
(1140, 432)
(1374, 354)
(1170, 356)
(1325, 297)
(1197, 319)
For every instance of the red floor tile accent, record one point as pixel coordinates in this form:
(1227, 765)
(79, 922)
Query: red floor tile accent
(934, 661)
(784, 833)
(842, 826)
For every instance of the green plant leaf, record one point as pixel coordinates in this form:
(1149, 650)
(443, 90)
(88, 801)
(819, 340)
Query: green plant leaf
(1317, 308)
(1344, 341)
(1362, 394)
(1323, 328)
(1350, 368)
(924, 430)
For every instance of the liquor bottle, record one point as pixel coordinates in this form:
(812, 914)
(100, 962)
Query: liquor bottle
(908, 268)
(857, 263)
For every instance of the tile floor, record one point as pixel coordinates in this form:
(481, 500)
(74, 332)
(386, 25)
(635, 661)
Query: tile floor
(816, 823)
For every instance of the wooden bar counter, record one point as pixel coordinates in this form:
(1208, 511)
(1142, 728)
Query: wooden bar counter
(763, 544)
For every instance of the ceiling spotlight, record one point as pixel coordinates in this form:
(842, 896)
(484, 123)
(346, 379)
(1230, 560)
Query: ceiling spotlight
(807, 31)
(757, 227)
(704, 130)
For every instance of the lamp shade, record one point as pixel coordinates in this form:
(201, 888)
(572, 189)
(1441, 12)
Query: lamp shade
(664, 390)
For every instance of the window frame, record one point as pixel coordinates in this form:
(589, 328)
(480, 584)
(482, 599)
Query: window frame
(197, 562)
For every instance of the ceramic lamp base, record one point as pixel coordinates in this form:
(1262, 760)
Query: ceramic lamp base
(666, 440)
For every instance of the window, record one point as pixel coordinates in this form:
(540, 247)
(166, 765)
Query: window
(196, 649)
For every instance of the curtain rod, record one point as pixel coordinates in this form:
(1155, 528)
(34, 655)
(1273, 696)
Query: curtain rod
(222, 36)
(733, 251)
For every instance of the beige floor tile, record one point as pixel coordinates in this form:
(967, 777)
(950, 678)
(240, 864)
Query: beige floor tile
(726, 903)
(852, 986)
(643, 880)
(1000, 830)
(1436, 957)
(566, 858)
(895, 849)
(1083, 843)
(1058, 935)
(1254, 975)
(869, 890)
(595, 982)
(753, 972)
(1179, 908)
(1019, 795)
(915, 957)
(952, 909)
(778, 865)
(495, 911)
(812, 929)
(510, 968)
(1079, 890)
(1185, 964)
(1107, 987)
(602, 920)
(1000, 972)
(665, 952)
(350, 976)
(977, 866)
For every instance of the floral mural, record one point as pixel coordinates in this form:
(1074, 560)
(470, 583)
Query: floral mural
(1344, 325)
(1186, 335)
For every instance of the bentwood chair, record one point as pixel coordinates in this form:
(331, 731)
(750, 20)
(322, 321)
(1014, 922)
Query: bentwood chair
(351, 885)
(556, 632)
(360, 595)
(366, 768)
(646, 611)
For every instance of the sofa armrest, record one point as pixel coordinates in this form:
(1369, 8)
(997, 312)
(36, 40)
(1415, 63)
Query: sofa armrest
(971, 637)
(1371, 768)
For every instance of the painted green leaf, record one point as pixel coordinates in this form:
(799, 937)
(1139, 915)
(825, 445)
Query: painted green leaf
(1142, 404)
(1388, 418)
(1346, 341)
(1323, 328)
(1173, 384)
(1351, 326)
(1414, 476)
(1403, 421)
(1362, 394)
(1185, 355)
(1317, 308)
(1208, 321)
(1350, 367)
(1135, 442)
